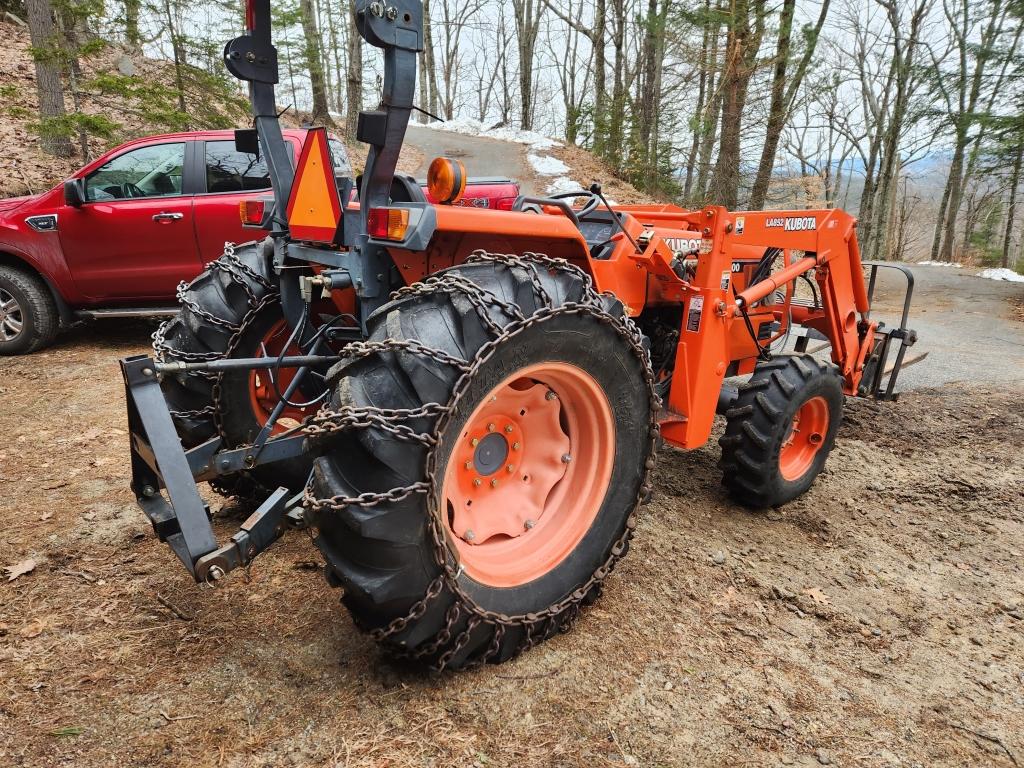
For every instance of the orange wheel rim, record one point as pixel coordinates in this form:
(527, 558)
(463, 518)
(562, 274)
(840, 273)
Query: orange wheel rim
(804, 439)
(529, 473)
(262, 394)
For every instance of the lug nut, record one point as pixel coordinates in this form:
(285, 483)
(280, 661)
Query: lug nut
(476, 481)
(509, 429)
(474, 442)
(510, 469)
(551, 395)
(469, 535)
(566, 458)
(490, 427)
(468, 465)
(528, 524)
(515, 446)
(494, 483)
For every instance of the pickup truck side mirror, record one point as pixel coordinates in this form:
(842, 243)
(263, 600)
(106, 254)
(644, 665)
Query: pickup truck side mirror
(74, 192)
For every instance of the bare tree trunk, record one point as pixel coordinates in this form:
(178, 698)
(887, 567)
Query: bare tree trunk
(428, 69)
(354, 75)
(132, 35)
(704, 82)
(709, 119)
(527, 25)
(1011, 205)
(741, 54)
(72, 28)
(45, 47)
(178, 52)
(314, 63)
(783, 95)
(613, 151)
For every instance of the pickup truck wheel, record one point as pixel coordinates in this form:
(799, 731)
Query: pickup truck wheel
(28, 315)
(232, 310)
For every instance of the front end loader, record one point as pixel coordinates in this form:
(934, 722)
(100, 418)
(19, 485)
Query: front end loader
(464, 406)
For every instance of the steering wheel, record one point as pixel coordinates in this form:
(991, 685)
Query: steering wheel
(535, 204)
(131, 190)
(589, 207)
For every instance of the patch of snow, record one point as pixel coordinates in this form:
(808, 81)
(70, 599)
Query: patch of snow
(547, 166)
(937, 264)
(563, 184)
(470, 127)
(1002, 273)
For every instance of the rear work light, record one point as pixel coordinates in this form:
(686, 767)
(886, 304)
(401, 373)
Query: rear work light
(388, 223)
(251, 212)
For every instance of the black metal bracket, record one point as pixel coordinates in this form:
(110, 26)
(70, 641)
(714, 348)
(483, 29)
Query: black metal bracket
(261, 529)
(164, 479)
(158, 462)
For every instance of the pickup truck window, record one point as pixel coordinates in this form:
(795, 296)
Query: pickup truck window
(228, 170)
(342, 166)
(154, 171)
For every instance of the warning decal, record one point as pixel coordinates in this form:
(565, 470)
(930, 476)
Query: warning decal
(694, 313)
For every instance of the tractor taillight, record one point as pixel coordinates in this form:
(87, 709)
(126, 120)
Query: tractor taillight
(251, 212)
(505, 203)
(388, 223)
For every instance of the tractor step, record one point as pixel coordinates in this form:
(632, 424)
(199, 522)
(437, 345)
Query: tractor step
(123, 312)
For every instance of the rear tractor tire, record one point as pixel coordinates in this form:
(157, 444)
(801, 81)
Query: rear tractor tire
(231, 310)
(780, 430)
(511, 439)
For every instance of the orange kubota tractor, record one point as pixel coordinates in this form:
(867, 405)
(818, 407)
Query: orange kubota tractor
(464, 406)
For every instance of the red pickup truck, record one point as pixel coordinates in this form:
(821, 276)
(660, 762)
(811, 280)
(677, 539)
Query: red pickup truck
(117, 238)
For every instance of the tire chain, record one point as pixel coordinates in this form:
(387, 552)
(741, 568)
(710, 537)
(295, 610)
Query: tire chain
(249, 491)
(558, 616)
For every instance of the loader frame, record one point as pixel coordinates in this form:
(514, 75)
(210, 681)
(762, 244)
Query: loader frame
(725, 315)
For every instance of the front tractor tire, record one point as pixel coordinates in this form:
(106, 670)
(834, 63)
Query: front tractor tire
(780, 430)
(512, 437)
(231, 310)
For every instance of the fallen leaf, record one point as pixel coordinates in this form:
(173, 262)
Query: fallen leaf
(33, 629)
(69, 730)
(92, 677)
(817, 595)
(46, 516)
(25, 566)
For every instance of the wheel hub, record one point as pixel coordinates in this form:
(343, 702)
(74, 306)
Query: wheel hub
(11, 320)
(527, 474)
(508, 461)
(490, 454)
(804, 438)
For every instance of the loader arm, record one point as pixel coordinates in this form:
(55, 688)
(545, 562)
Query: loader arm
(824, 241)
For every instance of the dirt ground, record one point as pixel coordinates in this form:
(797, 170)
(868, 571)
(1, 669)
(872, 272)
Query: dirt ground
(877, 621)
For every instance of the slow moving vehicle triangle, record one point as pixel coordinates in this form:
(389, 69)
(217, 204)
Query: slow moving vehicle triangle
(314, 208)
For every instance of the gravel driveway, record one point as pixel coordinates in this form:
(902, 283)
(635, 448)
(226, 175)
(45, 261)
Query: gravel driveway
(966, 324)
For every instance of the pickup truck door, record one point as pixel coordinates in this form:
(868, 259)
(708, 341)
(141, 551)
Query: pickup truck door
(231, 177)
(228, 178)
(134, 237)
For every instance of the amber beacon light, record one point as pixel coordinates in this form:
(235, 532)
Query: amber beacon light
(446, 180)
